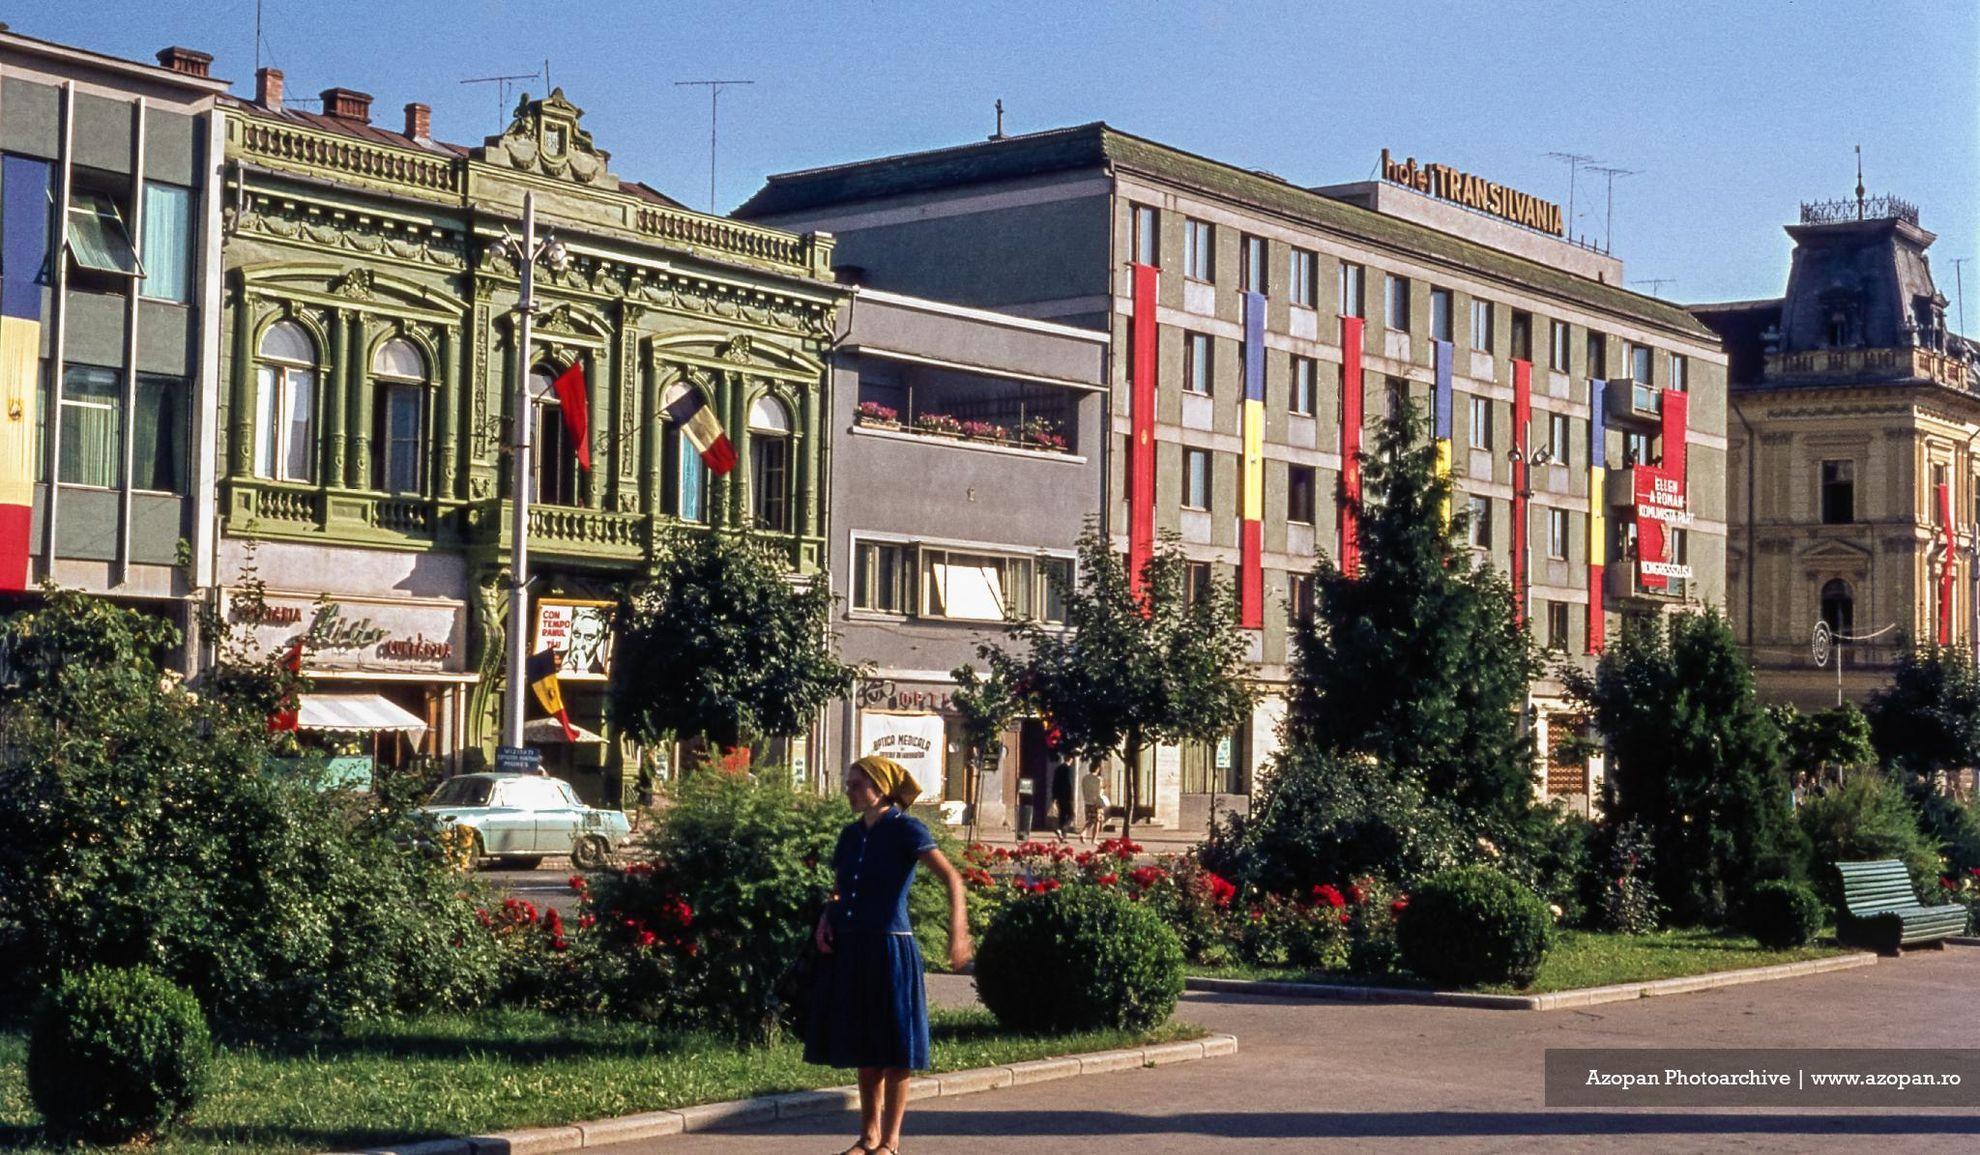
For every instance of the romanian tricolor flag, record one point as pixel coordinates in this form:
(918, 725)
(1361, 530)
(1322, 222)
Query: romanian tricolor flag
(685, 407)
(1251, 515)
(1440, 419)
(541, 670)
(24, 232)
(1598, 522)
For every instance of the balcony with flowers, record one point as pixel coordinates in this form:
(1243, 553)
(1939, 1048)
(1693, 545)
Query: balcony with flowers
(971, 409)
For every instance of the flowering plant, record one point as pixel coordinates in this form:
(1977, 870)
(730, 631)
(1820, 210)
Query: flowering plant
(876, 412)
(938, 423)
(987, 430)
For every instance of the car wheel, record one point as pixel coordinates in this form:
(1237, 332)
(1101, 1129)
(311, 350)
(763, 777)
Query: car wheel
(527, 862)
(590, 853)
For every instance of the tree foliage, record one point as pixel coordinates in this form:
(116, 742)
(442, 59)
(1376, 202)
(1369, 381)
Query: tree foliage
(722, 644)
(1695, 760)
(1928, 719)
(1830, 744)
(1130, 669)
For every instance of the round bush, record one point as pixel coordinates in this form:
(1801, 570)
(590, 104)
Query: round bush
(116, 1055)
(1783, 915)
(1472, 926)
(1079, 958)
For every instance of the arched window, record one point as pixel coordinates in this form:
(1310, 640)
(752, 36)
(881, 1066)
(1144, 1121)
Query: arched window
(770, 464)
(1838, 607)
(398, 372)
(285, 404)
(690, 479)
(555, 481)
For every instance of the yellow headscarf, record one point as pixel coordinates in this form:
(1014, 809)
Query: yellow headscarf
(893, 780)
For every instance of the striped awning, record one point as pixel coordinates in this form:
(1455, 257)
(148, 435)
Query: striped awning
(357, 713)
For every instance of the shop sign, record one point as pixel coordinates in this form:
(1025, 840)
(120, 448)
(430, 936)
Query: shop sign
(917, 741)
(383, 635)
(879, 694)
(581, 632)
(1664, 569)
(1474, 192)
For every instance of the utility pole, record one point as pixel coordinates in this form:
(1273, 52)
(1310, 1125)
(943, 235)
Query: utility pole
(1609, 221)
(714, 88)
(1574, 161)
(1959, 290)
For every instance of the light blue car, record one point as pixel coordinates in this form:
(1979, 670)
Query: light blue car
(520, 818)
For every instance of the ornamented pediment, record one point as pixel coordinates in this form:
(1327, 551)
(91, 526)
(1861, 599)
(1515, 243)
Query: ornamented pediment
(545, 137)
(1833, 555)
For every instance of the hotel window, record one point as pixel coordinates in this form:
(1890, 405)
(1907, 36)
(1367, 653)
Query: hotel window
(1640, 449)
(1481, 325)
(1300, 486)
(92, 425)
(1679, 377)
(882, 572)
(1303, 278)
(770, 464)
(1196, 479)
(158, 455)
(556, 481)
(1557, 626)
(1352, 278)
(1398, 299)
(1478, 522)
(1299, 598)
(1256, 252)
(976, 587)
(1305, 385)
(1481, 423)
(1557, 348)
(398, 372)
(1440, 314)
(1559, 439)
(1598, 356)
(1197, 364)
(1639, 364)
(168, 233)
(1557, 534)
(1522, 336)
(1147, 236)
(285, 404)
(1199, 250)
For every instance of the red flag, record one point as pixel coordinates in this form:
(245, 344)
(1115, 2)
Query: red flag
(571, 399)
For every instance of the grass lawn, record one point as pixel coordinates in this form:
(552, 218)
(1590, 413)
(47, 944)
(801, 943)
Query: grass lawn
(1589, 959)
(463, 1074)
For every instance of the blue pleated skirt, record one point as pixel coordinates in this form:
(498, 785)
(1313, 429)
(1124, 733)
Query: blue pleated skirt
(869, 1008)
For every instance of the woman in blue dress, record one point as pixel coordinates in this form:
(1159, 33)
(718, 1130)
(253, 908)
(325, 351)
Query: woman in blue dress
(869, 1010)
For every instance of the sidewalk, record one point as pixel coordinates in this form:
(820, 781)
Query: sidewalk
(1154, 840)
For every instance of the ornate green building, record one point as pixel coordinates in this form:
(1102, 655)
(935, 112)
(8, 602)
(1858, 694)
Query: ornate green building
(367, 389)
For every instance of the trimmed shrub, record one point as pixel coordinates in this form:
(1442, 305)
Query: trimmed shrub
(117, 1055)
(1079, 958)
(1783, 915)
(1867, 818)
(1473, 926)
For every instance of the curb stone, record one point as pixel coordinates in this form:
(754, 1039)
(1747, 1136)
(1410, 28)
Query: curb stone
(764, 1108)
(1964, 940)
(1558, 1000)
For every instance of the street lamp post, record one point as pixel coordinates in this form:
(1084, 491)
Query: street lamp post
(526, 252)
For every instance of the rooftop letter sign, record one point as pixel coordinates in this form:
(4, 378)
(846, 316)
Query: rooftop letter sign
(1474, 192)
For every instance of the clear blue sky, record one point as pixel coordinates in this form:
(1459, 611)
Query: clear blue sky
(1733, 112)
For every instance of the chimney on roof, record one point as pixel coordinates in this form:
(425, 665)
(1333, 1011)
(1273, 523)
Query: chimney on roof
(190, 61)
(347, 104)
(268, 88)
(419, 121)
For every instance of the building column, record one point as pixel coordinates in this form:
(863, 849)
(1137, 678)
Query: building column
(331, 389)
(806, 464)
(359, 424)
(652, 437)
(244, 386)
(598, 404)
(447, 425)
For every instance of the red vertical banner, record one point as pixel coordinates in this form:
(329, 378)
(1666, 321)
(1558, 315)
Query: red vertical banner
(1522, 375)
(1142, 364)
(1949, 568)
(1350, 443)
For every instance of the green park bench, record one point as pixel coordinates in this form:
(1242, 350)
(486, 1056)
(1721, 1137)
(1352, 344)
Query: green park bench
(1880, 910)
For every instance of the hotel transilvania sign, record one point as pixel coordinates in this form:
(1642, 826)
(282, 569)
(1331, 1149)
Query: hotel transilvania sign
(1474, 192)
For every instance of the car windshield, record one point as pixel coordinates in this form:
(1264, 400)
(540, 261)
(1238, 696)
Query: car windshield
(462, 792)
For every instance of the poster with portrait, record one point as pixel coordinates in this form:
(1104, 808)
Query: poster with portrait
(581, 633)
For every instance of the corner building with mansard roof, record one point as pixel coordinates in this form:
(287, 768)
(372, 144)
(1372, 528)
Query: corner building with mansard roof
(368, 382)
(1613, 403)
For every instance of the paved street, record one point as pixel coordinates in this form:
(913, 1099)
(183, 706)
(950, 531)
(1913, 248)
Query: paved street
(1396, 1077)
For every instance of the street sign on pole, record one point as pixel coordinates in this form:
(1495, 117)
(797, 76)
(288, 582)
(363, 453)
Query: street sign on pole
(518, 760)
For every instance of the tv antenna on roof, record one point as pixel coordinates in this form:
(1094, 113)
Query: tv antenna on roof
(501, 84)
(1656, 284)
(1574, 161)
(714, 88)
(1609, 221)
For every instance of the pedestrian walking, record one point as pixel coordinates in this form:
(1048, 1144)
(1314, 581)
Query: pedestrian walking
(1093, 798)
(869, 1009)
(1062, 795)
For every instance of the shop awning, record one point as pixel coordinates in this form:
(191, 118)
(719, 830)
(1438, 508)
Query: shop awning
(549, 732)
(357, 713)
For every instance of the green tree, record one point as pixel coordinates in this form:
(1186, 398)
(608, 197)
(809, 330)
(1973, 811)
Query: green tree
(986, 703)
(723, 644)
(1926, 724)
(1829, 745)
(1130, 670)
(1695, 760)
